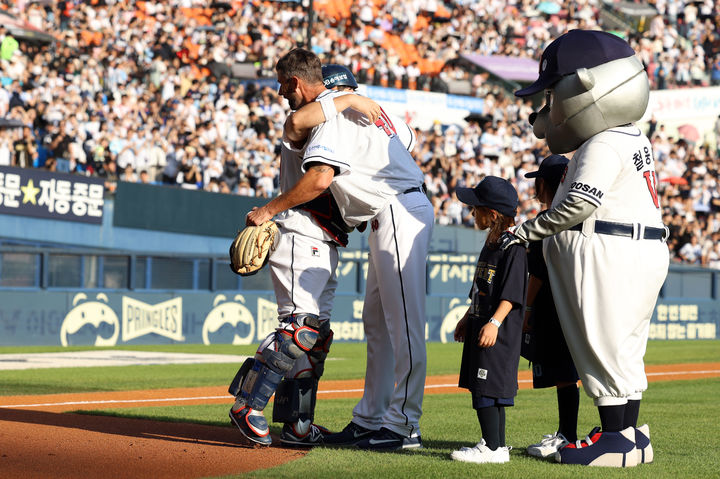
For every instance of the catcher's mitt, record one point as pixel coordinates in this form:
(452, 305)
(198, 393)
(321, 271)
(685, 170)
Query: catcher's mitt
(252, 246)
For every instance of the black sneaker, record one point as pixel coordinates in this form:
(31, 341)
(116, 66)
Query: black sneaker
(348, 436)
(311, 436)
(387, 440)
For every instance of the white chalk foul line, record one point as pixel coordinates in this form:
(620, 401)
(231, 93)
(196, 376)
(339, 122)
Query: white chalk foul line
(683, 373)
(331, 391)
(114, 401)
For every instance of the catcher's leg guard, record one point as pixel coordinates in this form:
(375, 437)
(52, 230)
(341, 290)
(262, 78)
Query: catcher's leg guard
(253, 385)
(295, 400)
(299, 334)
(319, 352)
(260, 384)
(258, 381)
(237, 381)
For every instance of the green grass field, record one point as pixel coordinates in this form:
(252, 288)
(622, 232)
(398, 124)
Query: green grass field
(683, 415)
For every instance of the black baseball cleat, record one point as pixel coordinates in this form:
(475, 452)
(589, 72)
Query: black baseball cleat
(386, 440)
(252, 425)
(349, 436)
(302, 434)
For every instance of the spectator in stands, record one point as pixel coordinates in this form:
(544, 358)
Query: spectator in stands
(715, 72)
(711, 258)
(144, 177)
(24, 151)
(6, 148)
(129, 175)
(109, 172)
(691, 252)
(135, 82)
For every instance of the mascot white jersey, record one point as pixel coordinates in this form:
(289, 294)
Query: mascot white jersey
(604, 241)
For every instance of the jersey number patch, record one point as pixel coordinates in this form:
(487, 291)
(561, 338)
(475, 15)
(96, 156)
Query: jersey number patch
(651, 180)
(384, 123)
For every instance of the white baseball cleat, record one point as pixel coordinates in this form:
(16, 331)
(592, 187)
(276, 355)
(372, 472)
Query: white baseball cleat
(481, 454)
(549, 445)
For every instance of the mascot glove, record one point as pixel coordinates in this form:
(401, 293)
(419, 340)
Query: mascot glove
(508, 239)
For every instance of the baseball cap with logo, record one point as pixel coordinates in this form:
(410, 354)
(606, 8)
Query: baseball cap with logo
(338, 75)
(573, 50)
(492, 192)
(551, 170)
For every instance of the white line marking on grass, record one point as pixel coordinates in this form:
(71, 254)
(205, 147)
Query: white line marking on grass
(330, 391)
(683, 373)
(115, 401)
(111, 357)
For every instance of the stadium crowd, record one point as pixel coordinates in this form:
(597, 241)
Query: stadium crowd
(143, 92)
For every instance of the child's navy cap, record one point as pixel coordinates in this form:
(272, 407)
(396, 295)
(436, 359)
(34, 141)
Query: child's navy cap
(552, 168)
(573, 50)
(492, 192)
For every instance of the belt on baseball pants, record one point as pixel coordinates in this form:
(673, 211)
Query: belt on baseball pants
(419, 189)
(634, 231)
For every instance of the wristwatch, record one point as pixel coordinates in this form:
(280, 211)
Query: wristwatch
(495, 322)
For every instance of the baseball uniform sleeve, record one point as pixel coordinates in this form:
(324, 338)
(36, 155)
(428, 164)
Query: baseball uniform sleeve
(598, 166)
(566, 214)
(322, 147)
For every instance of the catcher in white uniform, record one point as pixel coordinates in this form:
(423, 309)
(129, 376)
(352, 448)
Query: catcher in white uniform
(373, 178)
(604, 238)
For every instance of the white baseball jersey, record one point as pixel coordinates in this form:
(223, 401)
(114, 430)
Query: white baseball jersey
(379, 182)
(615, 171)
(295, 220)
(362, 188)
(605, 286)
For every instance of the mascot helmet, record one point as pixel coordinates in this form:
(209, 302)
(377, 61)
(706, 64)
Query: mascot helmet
(593, 82)
(337, 75)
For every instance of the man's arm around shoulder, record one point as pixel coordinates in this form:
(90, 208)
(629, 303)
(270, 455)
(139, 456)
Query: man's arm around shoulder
(316, 180)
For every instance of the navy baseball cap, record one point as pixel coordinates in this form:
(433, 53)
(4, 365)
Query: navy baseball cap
(551, 170)
(337, 75)
(492, 192)
(573, 50)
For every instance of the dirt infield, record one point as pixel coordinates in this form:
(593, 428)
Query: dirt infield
(38, 442)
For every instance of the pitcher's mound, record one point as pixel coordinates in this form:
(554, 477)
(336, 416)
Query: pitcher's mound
(87, 447)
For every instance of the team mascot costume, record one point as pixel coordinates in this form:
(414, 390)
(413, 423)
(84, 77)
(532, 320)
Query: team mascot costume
(604, 240)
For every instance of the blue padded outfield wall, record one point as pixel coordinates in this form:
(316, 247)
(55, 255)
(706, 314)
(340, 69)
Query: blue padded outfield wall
(44, 312)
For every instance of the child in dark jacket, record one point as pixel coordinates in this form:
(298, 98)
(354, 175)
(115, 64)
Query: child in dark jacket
(491, 328)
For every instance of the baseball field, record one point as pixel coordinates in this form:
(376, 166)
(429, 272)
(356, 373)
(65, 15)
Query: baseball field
(165, 415)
